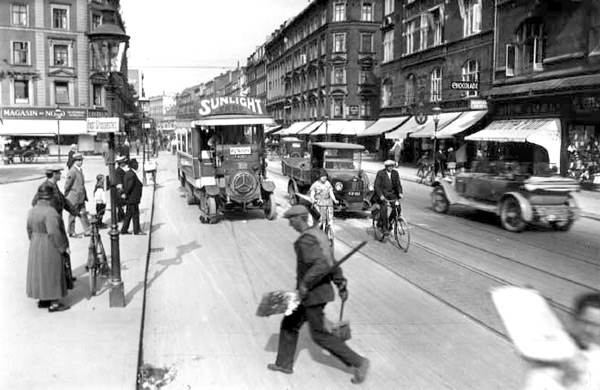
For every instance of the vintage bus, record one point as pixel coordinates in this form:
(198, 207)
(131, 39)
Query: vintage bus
(221, 158)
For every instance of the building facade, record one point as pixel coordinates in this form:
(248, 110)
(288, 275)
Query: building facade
(49, 66)
(548, 70)
(321, 63)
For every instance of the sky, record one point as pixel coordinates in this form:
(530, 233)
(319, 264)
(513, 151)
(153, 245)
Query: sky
(180, 43)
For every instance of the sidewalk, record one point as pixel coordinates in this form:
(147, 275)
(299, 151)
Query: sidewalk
(91, 345)
(589, 201)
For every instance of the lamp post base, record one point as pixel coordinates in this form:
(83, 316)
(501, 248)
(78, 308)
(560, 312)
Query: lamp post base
(117, 294)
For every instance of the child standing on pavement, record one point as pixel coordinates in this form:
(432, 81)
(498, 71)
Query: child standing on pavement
(100, 199)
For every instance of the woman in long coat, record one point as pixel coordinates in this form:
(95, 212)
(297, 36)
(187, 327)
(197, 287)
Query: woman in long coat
(48, 244)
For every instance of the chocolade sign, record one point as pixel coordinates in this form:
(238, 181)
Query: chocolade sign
(465, 85)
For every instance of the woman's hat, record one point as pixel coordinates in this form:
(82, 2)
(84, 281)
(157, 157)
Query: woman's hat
(45, 191)
(323, 172)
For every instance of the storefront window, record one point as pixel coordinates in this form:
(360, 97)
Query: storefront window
(584, 153)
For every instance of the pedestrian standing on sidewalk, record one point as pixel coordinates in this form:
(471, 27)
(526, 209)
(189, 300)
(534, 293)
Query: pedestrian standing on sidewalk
(122, 162)
(76, 194)
(48, 247)
(132, 194)
(100, 200)
(397, 151)
(314, 261)
(59, 203)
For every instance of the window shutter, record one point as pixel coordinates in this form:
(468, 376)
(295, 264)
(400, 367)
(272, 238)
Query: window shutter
(510, 60)
(537, 54)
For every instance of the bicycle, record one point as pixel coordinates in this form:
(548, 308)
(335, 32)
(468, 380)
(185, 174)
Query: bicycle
(397, 223)
(97, 263)
(425, 173)
(327, 227)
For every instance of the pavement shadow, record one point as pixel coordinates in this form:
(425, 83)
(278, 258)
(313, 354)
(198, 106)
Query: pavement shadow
(81, 288)
(166, 264)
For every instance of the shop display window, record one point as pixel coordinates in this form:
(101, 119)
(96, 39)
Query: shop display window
(584, 153)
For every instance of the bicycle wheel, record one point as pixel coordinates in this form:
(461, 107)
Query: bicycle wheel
(420, 175)
(377, 232)
(402, 233)
(429, 177)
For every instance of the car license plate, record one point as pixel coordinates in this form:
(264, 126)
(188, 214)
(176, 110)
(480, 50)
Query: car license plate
(354, 193)
(239, 151)
(242, 165)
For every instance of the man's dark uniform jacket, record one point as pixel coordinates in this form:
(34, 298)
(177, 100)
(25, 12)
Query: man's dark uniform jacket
(314, 259)
(391, 189)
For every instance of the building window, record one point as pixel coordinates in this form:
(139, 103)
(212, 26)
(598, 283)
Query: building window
(386, 93)
(96, 21)
(338, 75)
(19, 14)
(21, 53)
(97, 95)
(529, 47)
(61, 55)
(338, 108)
(423, 29)
(436, 85)
(388, 46)
(366, 43)
(21, 91)
(470, 72)
(364, 76)
(339, 43)
(470, 11)
(437, 21)
(60, 17)
(339, 12)
(409, 90)
(323, 45)
(365, 108)
(367, 12)
(388, 7)
(61, 92)
(411, 31)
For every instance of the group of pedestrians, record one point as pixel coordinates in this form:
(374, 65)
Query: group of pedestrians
(49, 273)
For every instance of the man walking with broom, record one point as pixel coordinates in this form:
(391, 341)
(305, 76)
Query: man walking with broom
(314, 262)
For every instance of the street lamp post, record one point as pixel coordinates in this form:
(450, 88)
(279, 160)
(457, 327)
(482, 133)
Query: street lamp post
(58, 113)
(436, 119)
(326, 119)
(109, 42)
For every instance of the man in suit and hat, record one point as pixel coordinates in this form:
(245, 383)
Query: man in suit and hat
(76, 194)
(387, 188)
(132, 195)
(122, 162)
(314, 259)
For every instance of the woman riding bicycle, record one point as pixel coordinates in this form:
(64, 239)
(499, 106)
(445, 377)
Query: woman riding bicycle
(321, 195)
(387, 188)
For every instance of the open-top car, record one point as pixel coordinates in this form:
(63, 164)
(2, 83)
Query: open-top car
(342, 161)
(520, 193)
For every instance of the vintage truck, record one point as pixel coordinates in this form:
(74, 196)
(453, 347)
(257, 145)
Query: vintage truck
(520, 193)
(342, 161)
(221, 158)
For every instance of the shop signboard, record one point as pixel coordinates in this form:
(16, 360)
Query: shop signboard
(42, 113)
(103, 125)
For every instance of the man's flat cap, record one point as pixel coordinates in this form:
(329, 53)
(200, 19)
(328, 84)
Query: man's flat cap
(77, 156)
(295, 211)
(389, 162)
(54, 168)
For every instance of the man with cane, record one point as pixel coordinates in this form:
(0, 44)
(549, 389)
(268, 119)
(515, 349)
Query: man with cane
(314, 260)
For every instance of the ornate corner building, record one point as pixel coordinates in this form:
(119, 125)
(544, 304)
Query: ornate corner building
(48, 64)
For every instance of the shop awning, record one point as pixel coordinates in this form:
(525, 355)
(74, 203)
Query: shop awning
(552, 85)
(383, 125)
(271, 129)
(342, 127)
(462, 123)
(293, 129)
(37, 127)
(516, 130)
(310, 128)
(426, 130)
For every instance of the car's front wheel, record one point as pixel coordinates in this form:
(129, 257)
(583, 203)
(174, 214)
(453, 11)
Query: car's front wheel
(511, 216)
(439, 200)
